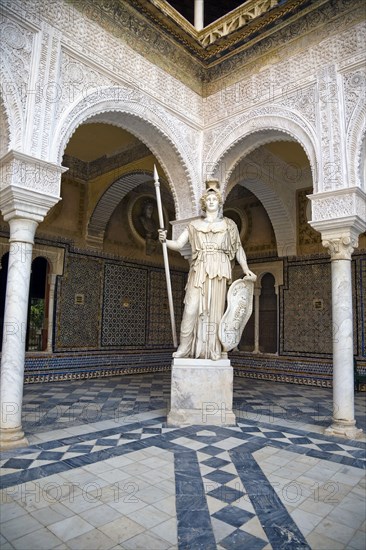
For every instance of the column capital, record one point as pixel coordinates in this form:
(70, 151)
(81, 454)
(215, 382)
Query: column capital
(340, 248)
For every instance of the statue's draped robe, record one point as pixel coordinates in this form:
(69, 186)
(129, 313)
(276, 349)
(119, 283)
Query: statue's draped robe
(214, 247)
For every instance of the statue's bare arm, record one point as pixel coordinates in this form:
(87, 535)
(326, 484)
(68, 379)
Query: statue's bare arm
(178, 243)
(242, 261)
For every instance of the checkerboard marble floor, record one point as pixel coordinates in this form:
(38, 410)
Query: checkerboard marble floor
(104, 471)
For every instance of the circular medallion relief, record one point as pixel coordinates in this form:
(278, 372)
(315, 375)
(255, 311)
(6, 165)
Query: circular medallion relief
(13, 37)
(143, 219)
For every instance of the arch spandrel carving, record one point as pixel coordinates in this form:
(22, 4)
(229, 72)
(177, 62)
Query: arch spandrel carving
(260, 126)
(356, 147)
(12, 116)
(163, 134)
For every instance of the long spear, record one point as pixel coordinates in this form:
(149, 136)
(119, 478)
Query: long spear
(165, 256)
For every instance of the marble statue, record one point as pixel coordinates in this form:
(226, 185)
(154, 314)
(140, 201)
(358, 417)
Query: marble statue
(215, 245)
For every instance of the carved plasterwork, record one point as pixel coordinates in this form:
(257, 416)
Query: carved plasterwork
(345, 203)
(229, 143)
(16, 52)
(290, 58)
(111, 198)
(15, 55)
(330, 130)
(4, 129)
(274, 85)
(102, 46)
(48, 90)
(22, 171)
(356, 146)
(77, 79)
(354, 91)
(263, 174)
(174, 144)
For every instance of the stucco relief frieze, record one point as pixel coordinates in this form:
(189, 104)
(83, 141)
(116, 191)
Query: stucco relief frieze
(354, 90)
(77, 80)
(330, 129)
(46, 105)
(277, 85)
(150, 122)
(16, 46)
(99, 45)
(22, 171)
(332, 207)
(356, 146)
(290, 74)
(339, 205)
(16, 52)
(256, 127)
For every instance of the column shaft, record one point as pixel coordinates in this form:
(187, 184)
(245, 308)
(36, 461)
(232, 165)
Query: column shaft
(199, 14)
(257, 293)
(15, 326)
(51, 301)
(343, 383)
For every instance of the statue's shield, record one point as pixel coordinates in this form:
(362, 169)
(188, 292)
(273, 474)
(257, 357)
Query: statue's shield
(239, 309)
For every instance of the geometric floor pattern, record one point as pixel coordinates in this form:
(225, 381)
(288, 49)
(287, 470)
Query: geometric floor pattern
(123, 479)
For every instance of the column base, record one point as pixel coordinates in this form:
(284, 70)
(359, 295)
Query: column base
(344, 428)
(201, 393)
(12, 438)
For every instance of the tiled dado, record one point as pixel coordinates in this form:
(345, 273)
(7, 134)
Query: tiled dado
(282, 369)
(79, 366)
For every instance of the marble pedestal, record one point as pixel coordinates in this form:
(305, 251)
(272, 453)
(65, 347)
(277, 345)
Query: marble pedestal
(201, 393)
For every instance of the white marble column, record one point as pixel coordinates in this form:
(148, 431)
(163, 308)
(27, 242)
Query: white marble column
(277, 319)
(29, 188)
(257, 293)
(51, 302)
(21, 240)
(199, 14)
(344, 422)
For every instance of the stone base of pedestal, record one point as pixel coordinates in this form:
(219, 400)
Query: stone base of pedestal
(12, 438)
(201, 393)
(342, 428)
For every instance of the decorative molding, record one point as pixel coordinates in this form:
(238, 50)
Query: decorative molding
(85, 171)
(235, 20)
(356, 146)
(339, 205)
(109, 201)
(227, 144)
(267, 186)
(172, 143)
(28, 172)
(332, 168)
(354, 90)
